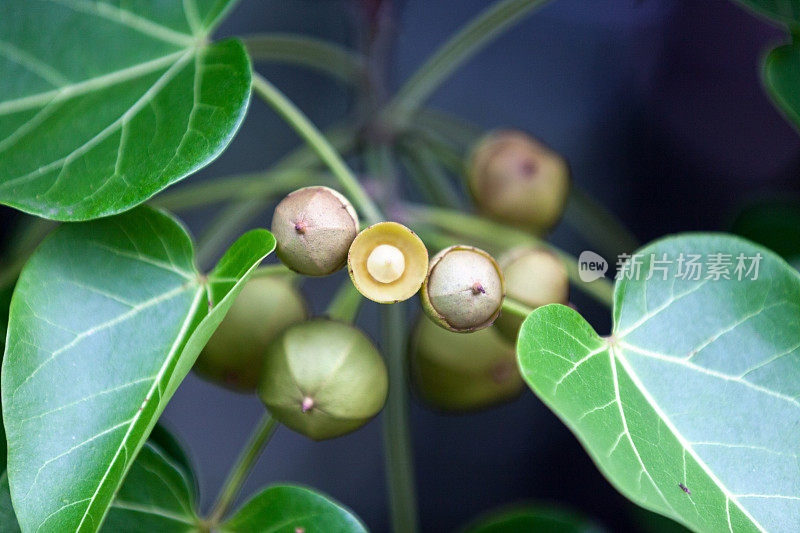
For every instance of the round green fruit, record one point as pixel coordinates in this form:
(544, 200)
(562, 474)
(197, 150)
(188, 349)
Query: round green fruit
(464, 289)
(323, 379)
(234, 355)
(458, 372)
(516, 179)
(534, 277)
(313, 229)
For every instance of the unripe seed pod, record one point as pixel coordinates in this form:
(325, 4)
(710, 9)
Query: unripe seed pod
(514, 178)
(234, 355)
(464, 289)
(534, 277)
(313, 228)
(388, 262)
(323, 379)
(455, 372)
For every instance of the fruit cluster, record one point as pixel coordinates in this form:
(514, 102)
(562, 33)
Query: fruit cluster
(324, 378)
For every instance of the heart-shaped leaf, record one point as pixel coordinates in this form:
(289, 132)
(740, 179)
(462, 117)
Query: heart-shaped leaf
(782, 79)
(785, 11)
(288, 509)
(533, 519)
(158, 495)
(690, 408)
(107, 319)
(104, 103)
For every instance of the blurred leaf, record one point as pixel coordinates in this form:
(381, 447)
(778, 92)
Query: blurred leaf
(690, 407)
(157, 496)
(655, 523)
(169, 444)
(288, 509)
(784, 11)
(782, 79)
(5, 302)
(107, 319)
(775, 224)
(533, 519)
(103, 104)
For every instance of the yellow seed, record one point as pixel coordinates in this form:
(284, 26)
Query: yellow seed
(386, 263)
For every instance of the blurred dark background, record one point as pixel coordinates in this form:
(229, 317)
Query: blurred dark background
(658, 107)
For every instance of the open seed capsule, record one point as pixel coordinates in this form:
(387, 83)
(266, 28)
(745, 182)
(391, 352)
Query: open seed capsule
(234, 355)
(388, 262)
(323, 379)
(464, 289)
(514, 178)
(535, 277)
(456, 372)
(313, 228)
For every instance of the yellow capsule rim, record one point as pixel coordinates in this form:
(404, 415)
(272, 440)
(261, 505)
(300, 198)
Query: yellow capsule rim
(414, 252)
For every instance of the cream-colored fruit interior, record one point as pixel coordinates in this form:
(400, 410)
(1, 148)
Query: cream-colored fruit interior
(386, 263)
(415, 257)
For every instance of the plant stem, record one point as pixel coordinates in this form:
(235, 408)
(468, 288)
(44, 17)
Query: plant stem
(345, 304)
(325, 56)
(238, 474)
(259, 185)
(457, 50)
(429, 174)
(498, 237)
(396, 435)
(306, 129)
(598, 225)
(517, 308)
(224, 225)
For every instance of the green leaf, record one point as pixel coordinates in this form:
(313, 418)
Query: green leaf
(533, 519)
(690, 407)
(172, 447)
(782, 79)
(784, 11)
(287, 509)
(107, 319)
(158, 495)
(774, 224)
(8, 521)
(104, 103)
(5, 302)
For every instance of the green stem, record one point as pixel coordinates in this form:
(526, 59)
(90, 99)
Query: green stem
(244, 464)
(306, 129)
(345, 304)
(224, 226)
(263, 186)
(459, 130)
(497, 238)
(325, 56)
(396, 435)
(427, 171)
(473, 37)
(517, 308)
(598, 225)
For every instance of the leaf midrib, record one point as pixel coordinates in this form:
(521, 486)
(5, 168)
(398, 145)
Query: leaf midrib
(156, 384)
(91, 84)
(129, 19)
(617, 355)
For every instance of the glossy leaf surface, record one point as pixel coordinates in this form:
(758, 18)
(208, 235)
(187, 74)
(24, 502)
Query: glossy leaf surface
(104, 103)
(107, 318)
(288, 509)
(691, 407)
